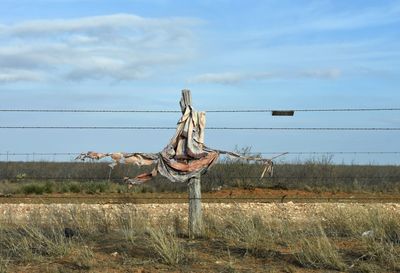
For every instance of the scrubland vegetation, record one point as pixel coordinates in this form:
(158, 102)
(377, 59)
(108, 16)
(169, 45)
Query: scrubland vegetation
(362, 240)
(315, 175)
(366, 239)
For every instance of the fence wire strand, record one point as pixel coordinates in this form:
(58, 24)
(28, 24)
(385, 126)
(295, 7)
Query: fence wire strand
(209, 128)
(209, 111)
(253, 153)
(255, 178)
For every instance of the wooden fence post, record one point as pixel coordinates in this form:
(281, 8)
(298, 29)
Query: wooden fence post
(195, 213)
(194, 187)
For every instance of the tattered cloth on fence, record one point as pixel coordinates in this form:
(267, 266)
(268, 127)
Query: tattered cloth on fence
(184, 157)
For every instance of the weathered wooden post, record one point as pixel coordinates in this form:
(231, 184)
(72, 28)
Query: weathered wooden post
(194, 184)
(195, 213)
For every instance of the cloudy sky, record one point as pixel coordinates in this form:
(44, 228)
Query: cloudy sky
(137, 54)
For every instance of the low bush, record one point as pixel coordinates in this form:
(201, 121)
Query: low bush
(74, 187)
(314, 175)
(33, 189)
(48, 187)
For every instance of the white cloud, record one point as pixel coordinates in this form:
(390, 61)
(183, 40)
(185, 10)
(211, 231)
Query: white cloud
(18, 75)
(234, 78)
(223, 78)
(98, 24)
(320, 73)
(116, 47)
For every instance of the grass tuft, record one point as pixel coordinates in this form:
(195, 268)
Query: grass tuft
(250, 233)
(83, 257)
(30, 242)
(4, 262)
(384, 252)
(313, 249)
(132, 226)
(167, 246)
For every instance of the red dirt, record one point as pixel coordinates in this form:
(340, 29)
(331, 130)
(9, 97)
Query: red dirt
(225, 196)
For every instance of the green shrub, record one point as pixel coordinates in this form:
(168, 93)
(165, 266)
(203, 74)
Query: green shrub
(64, 188)
(33, 189)
(48, 187)
(103, 186)
(90, 188)
(74, 187)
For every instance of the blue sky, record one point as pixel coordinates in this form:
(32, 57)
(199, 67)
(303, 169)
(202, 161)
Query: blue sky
(232, 54)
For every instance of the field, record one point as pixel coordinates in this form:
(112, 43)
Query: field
(311, 217)
(250, 237)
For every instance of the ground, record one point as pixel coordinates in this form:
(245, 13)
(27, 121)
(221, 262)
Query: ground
(111, 252)
(223, 196)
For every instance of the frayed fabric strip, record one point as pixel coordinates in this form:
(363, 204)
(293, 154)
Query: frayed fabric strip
(184, 157)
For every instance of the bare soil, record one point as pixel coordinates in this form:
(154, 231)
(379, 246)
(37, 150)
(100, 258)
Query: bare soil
(233, 195)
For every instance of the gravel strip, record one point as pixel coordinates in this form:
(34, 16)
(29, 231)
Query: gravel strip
(289, 210)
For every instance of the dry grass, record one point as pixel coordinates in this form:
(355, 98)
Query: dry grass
(132, 226)
(83, 257)
(250, 233)
(4, 261)
(32, 242)
(385, 253)
(346, 222)
(211, 226)
(312, 248)
(167, 246)
(377, 229)
(239, 242)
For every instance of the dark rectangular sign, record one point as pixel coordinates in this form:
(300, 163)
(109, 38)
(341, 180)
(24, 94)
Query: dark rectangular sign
(283, 113)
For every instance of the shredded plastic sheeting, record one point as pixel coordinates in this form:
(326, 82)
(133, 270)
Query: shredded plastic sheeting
(184, 157)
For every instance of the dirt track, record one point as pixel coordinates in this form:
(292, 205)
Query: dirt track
(256, 195)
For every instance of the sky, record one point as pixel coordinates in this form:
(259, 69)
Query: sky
(137, 54)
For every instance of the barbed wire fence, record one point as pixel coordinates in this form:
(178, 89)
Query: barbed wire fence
(208, 111)
(53, 156)
(38, 156)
